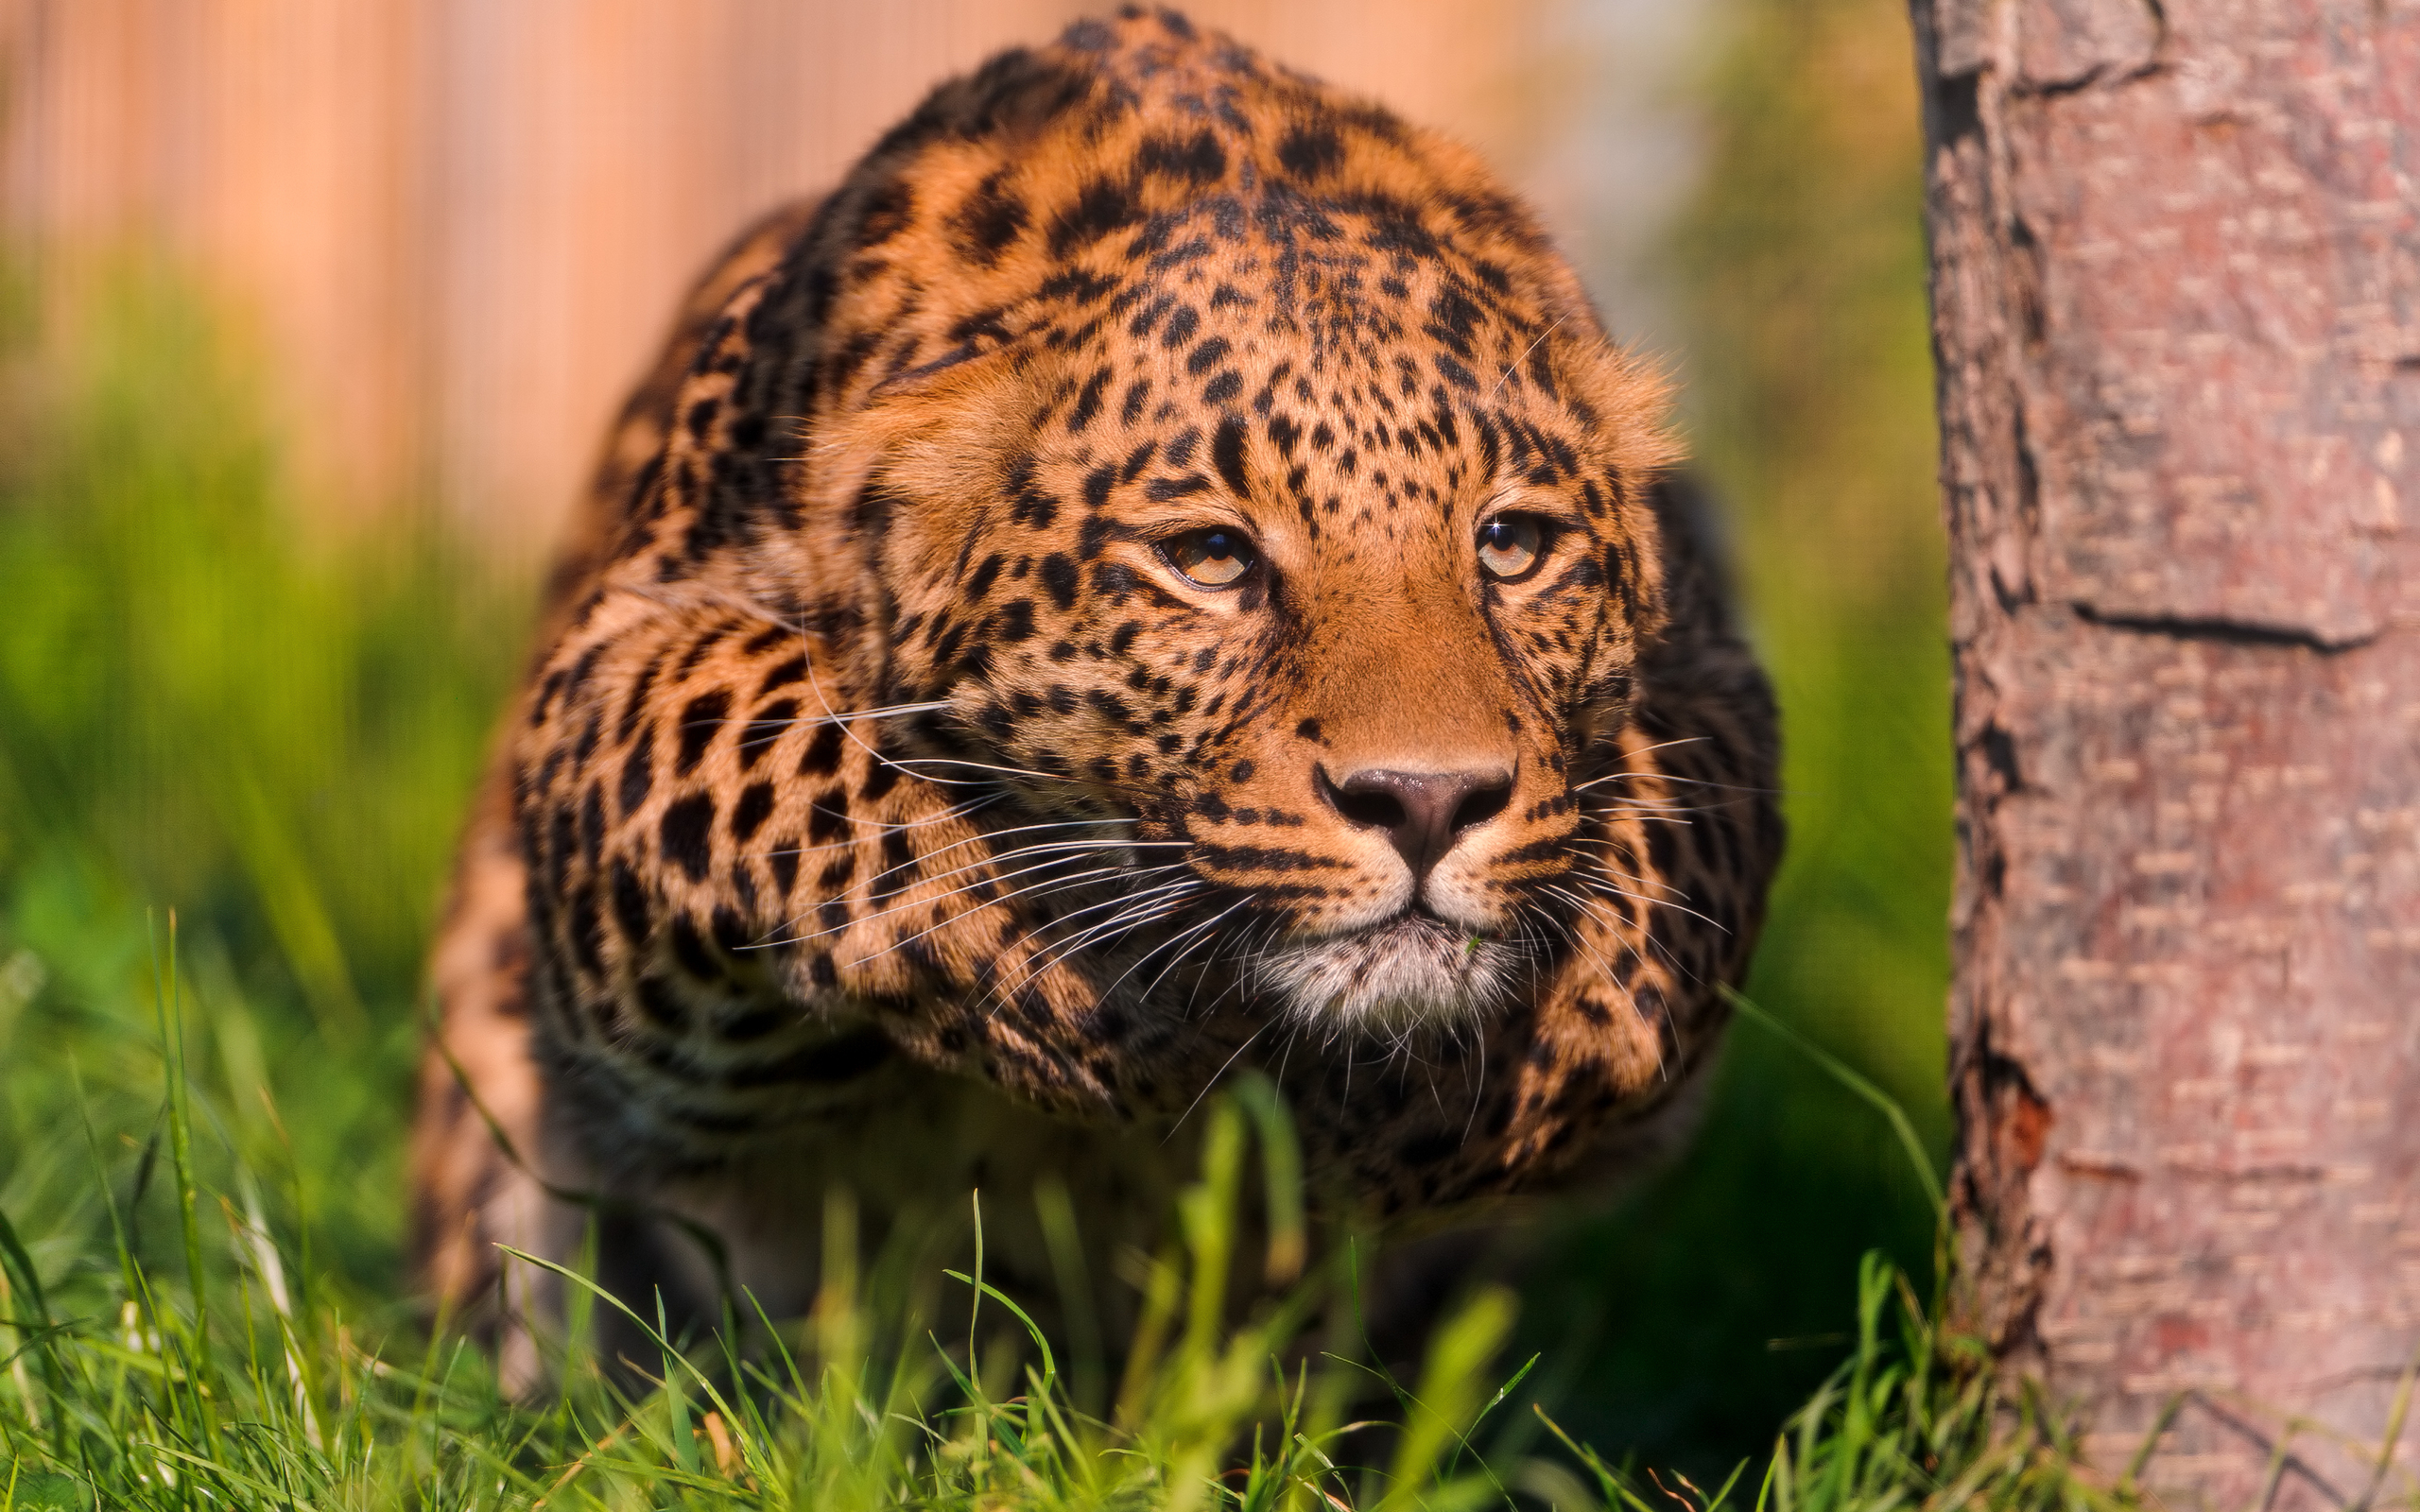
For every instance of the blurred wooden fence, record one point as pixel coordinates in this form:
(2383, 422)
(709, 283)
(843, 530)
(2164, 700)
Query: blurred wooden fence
(455, 226)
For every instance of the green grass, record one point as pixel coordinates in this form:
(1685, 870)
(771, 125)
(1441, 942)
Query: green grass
(219, 1376)
(206, 705)
(221, 1373)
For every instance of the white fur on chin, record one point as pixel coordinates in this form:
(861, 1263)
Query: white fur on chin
(1411, 972)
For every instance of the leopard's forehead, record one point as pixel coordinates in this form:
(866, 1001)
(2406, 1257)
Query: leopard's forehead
(1145, 184)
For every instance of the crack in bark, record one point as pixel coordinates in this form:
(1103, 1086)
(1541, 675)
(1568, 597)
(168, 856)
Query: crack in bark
(2220, 630)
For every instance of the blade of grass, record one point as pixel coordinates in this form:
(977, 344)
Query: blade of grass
(172, 1035)
(1920, 1162)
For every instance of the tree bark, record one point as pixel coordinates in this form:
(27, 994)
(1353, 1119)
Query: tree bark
(2176, 303)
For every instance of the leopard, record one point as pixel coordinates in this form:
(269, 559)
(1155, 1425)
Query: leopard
(1159, 577)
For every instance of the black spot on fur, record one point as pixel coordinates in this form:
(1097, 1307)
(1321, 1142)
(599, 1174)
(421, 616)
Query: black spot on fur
(887, 211)
(985, 574)
(691, 951)
(637, 705)
(638, 775)
(1310, 152)
(1059, 576)
(1227, 454)
(591, 825)
(1028, 504)
(827, 818)
(1088, 402)
(991, 219)
(1199, 159)
(880, 778)
(898, 866)
(1101, 207)
(749, 815)
(1453, 317)
(757, 740)
(699, 722)
(1283, 433)
(1159, 491)
(630, 904)
(1077, 285)
(686, 834)
(823, 755)
(586, 936)
(793, 670)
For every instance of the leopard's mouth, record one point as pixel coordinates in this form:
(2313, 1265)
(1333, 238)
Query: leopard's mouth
(1411, 972)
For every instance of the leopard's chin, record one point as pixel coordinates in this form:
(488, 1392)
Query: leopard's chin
(1410, 972)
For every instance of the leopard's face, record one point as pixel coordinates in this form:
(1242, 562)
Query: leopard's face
(1289, 582)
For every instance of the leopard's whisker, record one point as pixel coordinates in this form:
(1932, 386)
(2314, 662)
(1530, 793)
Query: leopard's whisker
(1594, 910)
(1040, 889)
(1112, 930)
(1059, 950)
(1197, 932)
(1180, 893)
(1146, 907)
(1064, 848)
(1662, 1070)
(843, 716)
(911, 764)
(1633, 752)
(983, 835)
(842, 720)
(1137, 905)
(967, 810)
(1679, 781)
(1257, 1031)
(1578, 941)
(1604, 885)
(911, 900)
(1517, 362)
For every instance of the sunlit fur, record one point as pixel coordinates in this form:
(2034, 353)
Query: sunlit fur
(880, 774)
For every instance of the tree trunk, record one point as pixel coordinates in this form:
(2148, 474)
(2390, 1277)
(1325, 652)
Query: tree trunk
(2176, 304)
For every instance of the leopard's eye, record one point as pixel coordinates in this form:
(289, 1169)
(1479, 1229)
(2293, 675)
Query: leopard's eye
(1509, 545)
(1210, 559)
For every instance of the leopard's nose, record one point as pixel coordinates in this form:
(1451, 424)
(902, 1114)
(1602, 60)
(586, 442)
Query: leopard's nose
(1423, 813)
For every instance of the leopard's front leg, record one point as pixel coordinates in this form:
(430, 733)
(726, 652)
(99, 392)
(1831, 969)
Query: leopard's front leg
(761, 929)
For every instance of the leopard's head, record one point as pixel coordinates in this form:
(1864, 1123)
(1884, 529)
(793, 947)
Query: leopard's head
(1274, 523)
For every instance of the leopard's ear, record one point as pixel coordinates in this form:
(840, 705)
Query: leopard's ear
(980, 389)
(980, 360)
(936, 429)
(944, 372)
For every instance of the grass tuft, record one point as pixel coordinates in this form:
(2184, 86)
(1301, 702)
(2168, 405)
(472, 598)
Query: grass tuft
(145, 1393)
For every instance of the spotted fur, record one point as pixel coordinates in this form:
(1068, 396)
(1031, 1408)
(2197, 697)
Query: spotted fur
(886, 810)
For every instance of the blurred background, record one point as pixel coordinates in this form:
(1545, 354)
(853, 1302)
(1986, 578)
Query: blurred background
(312, 313)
